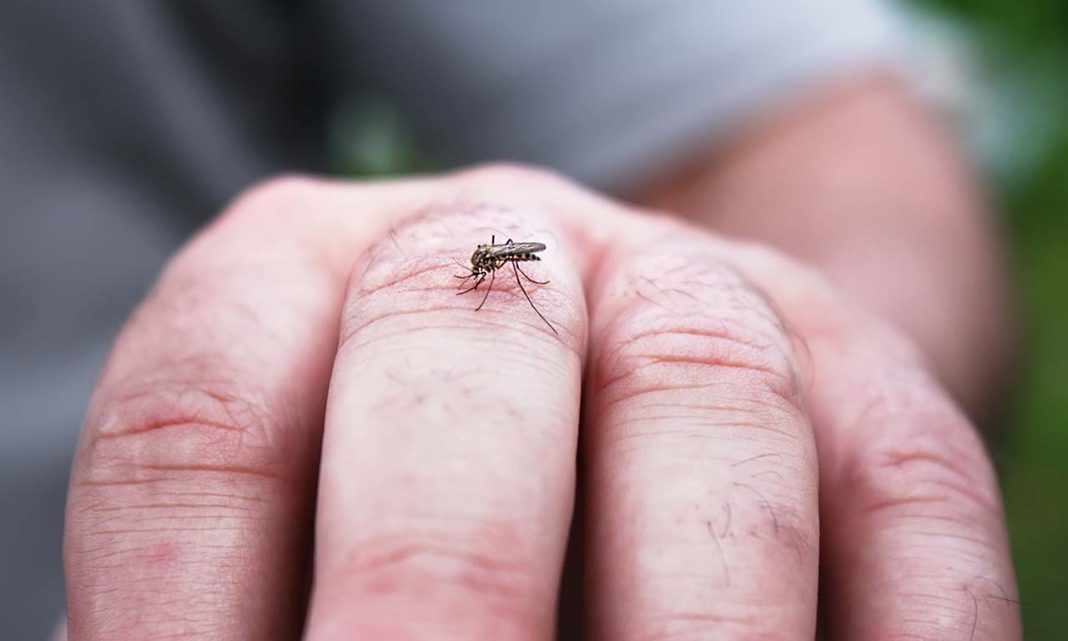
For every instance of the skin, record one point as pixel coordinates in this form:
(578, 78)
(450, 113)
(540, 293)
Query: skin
(304, 374)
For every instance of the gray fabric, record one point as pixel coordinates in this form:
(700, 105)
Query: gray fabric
(604, 91)
(124, 125)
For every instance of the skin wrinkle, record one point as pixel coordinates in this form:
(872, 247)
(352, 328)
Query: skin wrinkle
(221, 469)
(685, 626)
(404, 271)
(384, 558)
(903, 458)
(652, 389)
(694, 627)
(129, 456)
(740, 351)
(903, 471)
(392, 272)
(759, 337)
(180, 411)
(159, 424)
(952, 496)
(765, 412)
(656, 359)
(236, 529)
(714, 353)
(124, 482)
(236, 501)
(484, 326)
(392, 563)
(701, 283)
(872, 474)
(687, 429)
(738, 416)
(167, 506)
(723, 332)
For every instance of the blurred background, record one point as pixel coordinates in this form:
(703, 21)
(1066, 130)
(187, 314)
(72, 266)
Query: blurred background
(1012, 79)
(999, 72)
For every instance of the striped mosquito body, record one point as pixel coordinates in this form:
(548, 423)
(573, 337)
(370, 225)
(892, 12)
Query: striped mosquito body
(487, 259)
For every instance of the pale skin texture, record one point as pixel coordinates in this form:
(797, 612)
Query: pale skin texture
(304, 372)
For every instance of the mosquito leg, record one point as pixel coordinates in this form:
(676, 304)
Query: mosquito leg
(488, 290)
(473, 287)
(536, 282)
(524, 290)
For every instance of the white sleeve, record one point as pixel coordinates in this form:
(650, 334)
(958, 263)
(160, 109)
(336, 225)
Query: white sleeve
(608, 91)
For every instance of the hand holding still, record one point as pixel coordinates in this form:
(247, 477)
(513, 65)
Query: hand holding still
(303, 369)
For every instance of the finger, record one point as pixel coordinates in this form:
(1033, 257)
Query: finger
(913, 529)
(191, 496)
(447, 476)
(916, 542)
(702, 516)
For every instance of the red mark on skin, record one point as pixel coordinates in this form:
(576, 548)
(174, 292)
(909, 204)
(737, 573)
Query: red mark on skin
(165, 555)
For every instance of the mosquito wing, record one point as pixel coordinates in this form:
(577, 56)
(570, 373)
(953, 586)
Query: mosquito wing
(513, 249)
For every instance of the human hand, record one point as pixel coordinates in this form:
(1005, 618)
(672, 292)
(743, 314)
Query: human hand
(303, 369)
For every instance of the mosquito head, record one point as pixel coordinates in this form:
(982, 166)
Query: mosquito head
(479, 256)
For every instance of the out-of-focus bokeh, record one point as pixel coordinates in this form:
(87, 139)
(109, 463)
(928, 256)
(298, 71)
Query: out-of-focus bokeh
(1015, 90)
(999, 71)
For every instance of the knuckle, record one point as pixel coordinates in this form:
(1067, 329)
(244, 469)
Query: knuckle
(923, 458)
(173, 481)
(641, 357)
(396, 564)
(412, 275)
(173, 430)
(690, 324)
(512, 174)
(282, 194)
(483, 566)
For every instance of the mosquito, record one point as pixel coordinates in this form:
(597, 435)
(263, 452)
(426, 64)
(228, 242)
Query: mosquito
(488, 258)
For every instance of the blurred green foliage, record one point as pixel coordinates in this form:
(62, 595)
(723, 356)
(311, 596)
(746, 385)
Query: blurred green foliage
(1029, 39)
(1024, 24)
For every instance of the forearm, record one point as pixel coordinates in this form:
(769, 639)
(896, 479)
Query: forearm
(863, 184)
